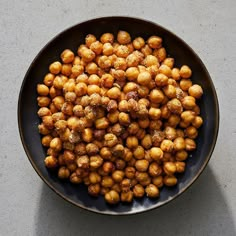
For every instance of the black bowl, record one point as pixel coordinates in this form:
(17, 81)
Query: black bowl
(71, 38)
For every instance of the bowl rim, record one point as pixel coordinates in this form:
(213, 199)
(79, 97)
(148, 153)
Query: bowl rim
(20, 129)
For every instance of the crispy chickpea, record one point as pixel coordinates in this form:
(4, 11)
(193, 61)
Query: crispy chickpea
(92, 149)
(169, 62)
(55, 67)
(185, 72)
(64, 136)
(124, 118)
(133, 128)
(169, 168)
(180, 166)
(81, 89)
(126, 196)
(108, 166)
(170, 180)
(156, 153)
(123, 37)
(154, 169)
(179, 144)
(158, 181)
(146, 50)
(96, 161)
(138, 43)
(94, 178)
(56, 144)
(167, 145)
(113, 117)
(154, 113)
(143, 178)
(181, 155)
(91, 68)
(105, 153)
(138, 191)
(50, 162)
(94, 189)
(107, 80)
(175, 106)
(169, 91)
(150, 60)
(130, 172)
(190, 144)
(152, 191)
(125, 185)
(188, 116)
(83, 161)
(63, 172)
(164, 69)
(46, 140)
(114, 93)
(154, 42)
(170, 133)
(143, 91)
(143, 123)
(110, 140)
(67, 56)
(156, 96)
(132, 60)
(130, 87)
(44, 111)
(189, 102)
(43, 101)
(141, 165)
(122, 51)
(118, 175)
(161, 80)
(48, 79)
(132, 142)
(75, 179)
(147, 141)
(191, 132)
(42, 90)
(89, 39)
(96, 47)
(175, 74)
(144, 78)
(87, 135)
(48, 122)
(92, 88)
(173, 120)
(67, 108)
(185, 84)
(195, 91)
(112, 197)
(107, 38)
(160, 53)
(107, 182)
(197, 121)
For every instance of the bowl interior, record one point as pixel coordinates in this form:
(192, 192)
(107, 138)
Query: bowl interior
(72, 38)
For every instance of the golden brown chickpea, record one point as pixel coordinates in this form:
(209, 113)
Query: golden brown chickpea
(160, 53)
(164, 69)
(70, 96)
(173, 120)
(83, 161)
(125, 185)
(44, 111)
(181, 155)
(107, 80)
(170, 91)
(55, 67)
(143, 123)
(105, 153)
(130, 172)
(190, 144)
(112, 197)
(119, 75)
(195, 91)
(170, 180)
(46, 140)
(138, 43)
(183, 124)
(124, 118)
(89, 39)
(81, 89)
(67, 56)
(133, 128)
(64, 136)
(96, 47)
(75, 179)
(68, 156)
(167, 145)
(50, 162)
(185, 72)
(94, 178)
(152, 191)
(87, 54)
(130, 87)
(175, 106)
(156, 96)
(67, 108)
(185, 84)
(82, 78)
(179, 144)
(197, 110)
(107, 49)
(161, 80)
(94, 189)
(108, 166)
(91, 68)
(143, 91)
(56, 144)
(118, 176)
(170, 133)
(147, 141)
(141, 165)
(189, 102)
(107, 182)
(158, 181)
(48, 79)
(58, 116)
(43, 101)
(122, 51)
(197, 121)
(114, 93)
(138, 191)
(188, 116)
(77, 70)
(141, 134)
(144, 78)
(156, 153)
(169, 62)
(154, 169)
(72, 167)
(92, 149)
(42, 90)
(92, 88)
(180, 166)
(110, 140)
(96, 161)
(63, 173)
(153, 70)
(104, 62)
(154, 113)
(120, 64)
(123, 37)
(107, 38)
(143, 178)
(154, 42)
(175, 74)
(48, 122)
(66, 69)
(169, 168)
(191, 132)
(126, 196)
(150, 60)
(52, 152)
(132, 60)
(53, 109)
(113, 117)
(146, 50)
(132, 142)
(87, 135)
(128, 155)
(102, 123)
(118, 151)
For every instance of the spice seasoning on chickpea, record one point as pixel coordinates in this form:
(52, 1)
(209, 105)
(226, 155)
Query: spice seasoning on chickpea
(119, 116)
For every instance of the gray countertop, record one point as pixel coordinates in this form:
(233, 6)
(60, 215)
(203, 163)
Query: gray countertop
(29, 207)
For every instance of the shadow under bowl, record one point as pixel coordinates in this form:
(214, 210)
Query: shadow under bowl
(71, 38)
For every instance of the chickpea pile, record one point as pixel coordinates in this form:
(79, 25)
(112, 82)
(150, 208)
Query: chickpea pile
(118, 116)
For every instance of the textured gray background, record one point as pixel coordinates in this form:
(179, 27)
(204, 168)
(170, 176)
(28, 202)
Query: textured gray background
(28, 207)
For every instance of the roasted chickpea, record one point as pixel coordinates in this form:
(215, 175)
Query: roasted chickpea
(197, 121)
(189, 102)
(180, 166)
(169, 62)
(66, 69)
(160, 53)
(175, 74)
(94, 189)
(130, 172)
(156, 96)
(144, 78)
(154, 169)
(118, 176)
(48, 79)
(122, 51)
(170, 180)
(190, 144)
(132, 142)
(147, 141)
(191, 132)
(112, 197)
(96, 47)
(124, 118)
(195, 91)
(156, 153)
(123, 37)
(126, 196)
(142, 177)
(46, 140)
(132, 73)
(185, 72)
(55, 67)
(63, 172)
(42, 90)
(152, 191)
(169, 168)
(138, 191)
(87, 135)
(95, 161)
(56, 144)
(185, 84)
(75, 179)
(94, 178)
(167, 145)
(43, 101)
(141, 165)
(50, 162)
(67, 108)
(175, 106)
(170, 91)
(114, 93)
(110, 140)
(161, 80)
(154, 42)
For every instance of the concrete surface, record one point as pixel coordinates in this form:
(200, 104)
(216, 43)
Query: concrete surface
(28, 207)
